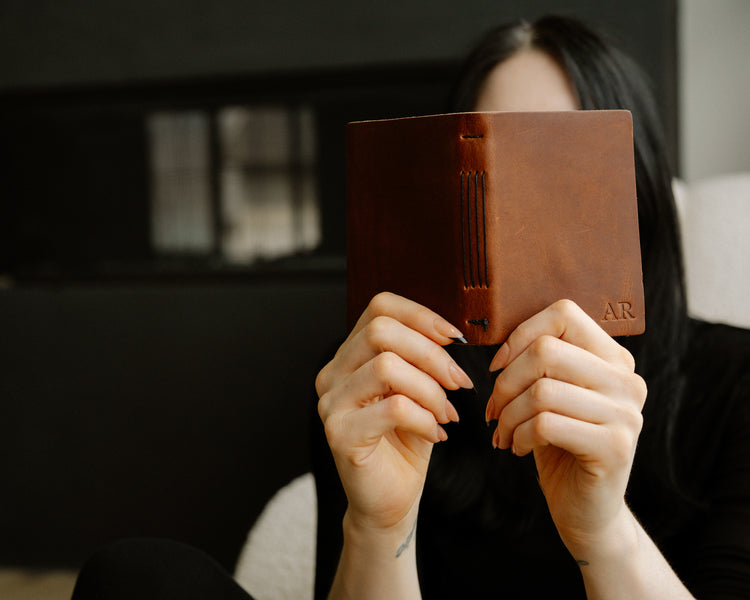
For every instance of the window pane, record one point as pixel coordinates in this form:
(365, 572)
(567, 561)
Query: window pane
(258, 215)
(268, 188)
(180, 182)
(258, 136)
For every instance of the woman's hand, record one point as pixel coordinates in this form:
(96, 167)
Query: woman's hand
(382, 402)
(569, 394)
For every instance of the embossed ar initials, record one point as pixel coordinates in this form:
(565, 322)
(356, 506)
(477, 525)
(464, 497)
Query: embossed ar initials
(622, 311)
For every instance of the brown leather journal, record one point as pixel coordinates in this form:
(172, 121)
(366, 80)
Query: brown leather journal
(487, 218)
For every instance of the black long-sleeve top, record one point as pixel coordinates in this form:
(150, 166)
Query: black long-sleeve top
(484, 529)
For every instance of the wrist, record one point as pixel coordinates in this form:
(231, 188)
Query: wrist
(624, 563)
(610, 544)
(391, 540)
(377, 562)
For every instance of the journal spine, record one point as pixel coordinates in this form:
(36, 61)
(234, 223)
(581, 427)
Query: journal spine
(475, 173)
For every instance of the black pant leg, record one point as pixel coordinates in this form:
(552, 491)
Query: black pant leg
(154, 569)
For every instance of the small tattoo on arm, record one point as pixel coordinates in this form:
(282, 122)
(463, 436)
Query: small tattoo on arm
(582, 563)
(407, 542)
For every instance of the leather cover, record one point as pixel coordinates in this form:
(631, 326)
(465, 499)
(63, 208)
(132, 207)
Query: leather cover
(487, 218)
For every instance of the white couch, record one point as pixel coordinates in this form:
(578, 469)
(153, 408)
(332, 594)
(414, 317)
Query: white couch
(715, 219)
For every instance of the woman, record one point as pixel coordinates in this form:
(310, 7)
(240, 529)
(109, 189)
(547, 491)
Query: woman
(428, 507)
(595, 491)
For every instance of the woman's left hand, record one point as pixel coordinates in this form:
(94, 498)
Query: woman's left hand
(569, 394)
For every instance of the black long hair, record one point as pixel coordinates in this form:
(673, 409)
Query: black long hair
(605, 78)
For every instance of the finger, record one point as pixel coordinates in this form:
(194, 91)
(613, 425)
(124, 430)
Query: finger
(385, 375)
(413, 315)
(386, 334)
(385, 308)
(589, 443)
(550, 357)
(362, 429)
(565, 320)
(550, 395)
(549, 429)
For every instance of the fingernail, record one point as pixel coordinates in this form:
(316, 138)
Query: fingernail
(487, 415)
(441, 434)
(494, 440)
(513, 449)
(451, 411)
(444, 328)
(459, 376)
(500, 359)
(461, 339)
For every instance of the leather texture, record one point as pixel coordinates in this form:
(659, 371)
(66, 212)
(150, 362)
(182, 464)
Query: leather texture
(487, 218)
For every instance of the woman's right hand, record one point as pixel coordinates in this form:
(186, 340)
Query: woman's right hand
(382, 402)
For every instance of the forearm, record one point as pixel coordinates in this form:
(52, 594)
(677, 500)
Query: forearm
(626, 564)
(377, 564)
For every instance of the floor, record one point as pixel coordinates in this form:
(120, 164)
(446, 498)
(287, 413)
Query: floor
(20, 584)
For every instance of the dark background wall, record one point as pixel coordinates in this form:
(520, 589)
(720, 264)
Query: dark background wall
(59, 43)
(170, 410)
(132, 405)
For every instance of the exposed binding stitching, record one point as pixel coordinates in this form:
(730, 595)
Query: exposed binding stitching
(484, 230)
(474, 243)
(463, 230)
(476, 217)
(471, 236)
(485, 323)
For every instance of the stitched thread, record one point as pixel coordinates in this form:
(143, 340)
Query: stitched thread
(474, 243)
(476, 217)
(484, 231)
(463, 231)
(485, 323)
(471, 236)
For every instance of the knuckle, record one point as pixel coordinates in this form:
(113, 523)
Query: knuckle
(333, 430)
(637, 422)
(543, 425)
(500, 390)
(384, 364)
(627, 359)
(622, 445)
(642, 389)
(629, 418)
(541, 394)
(322, 384)
(634, 419)
(397, 407)
(378, 331)
(544, 348)
(633, 387)
(323, 404)
(566, 309)
(380, 303)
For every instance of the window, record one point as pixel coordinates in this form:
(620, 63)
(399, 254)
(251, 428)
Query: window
(219, 180)
(238, 183)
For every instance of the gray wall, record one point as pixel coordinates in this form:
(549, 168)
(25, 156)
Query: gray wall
(160, 410)
(63, 42)
(53, 42)
(714, 87)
